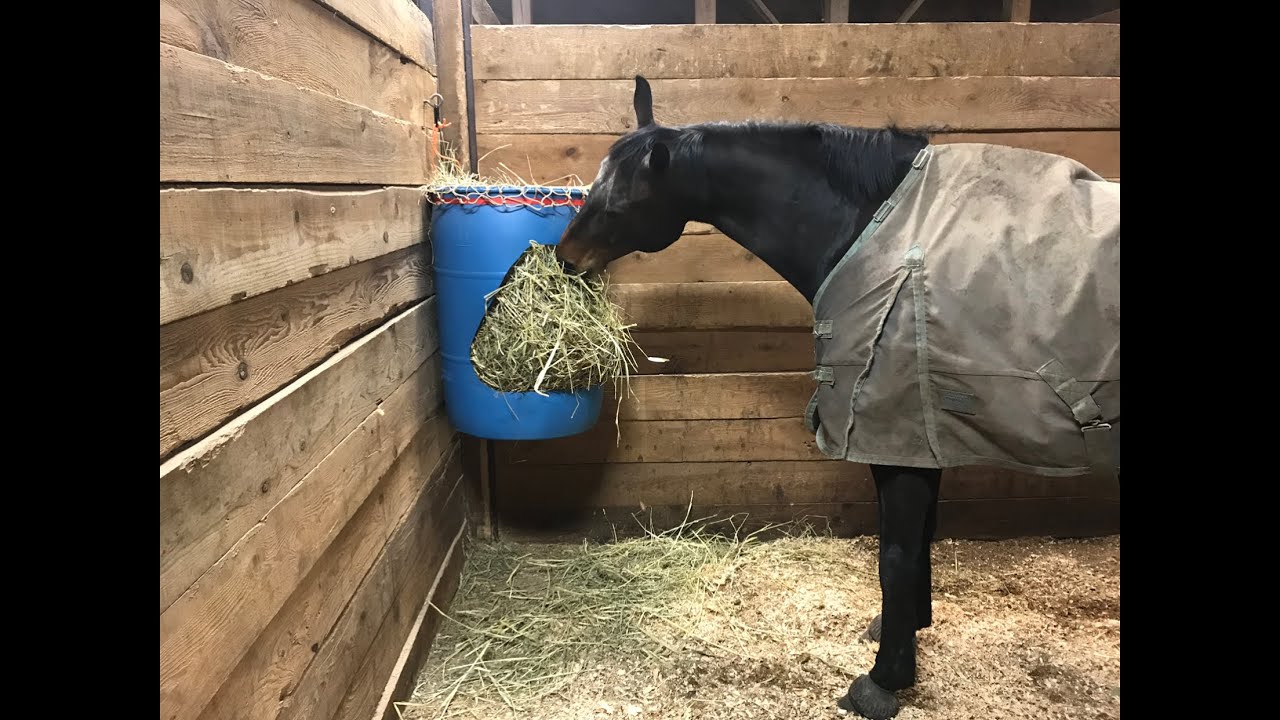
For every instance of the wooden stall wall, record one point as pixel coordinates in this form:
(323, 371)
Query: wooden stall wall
(310, 485)
(719, 425)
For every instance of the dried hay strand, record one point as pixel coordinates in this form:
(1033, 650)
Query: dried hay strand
(549, 330)
(527, 619)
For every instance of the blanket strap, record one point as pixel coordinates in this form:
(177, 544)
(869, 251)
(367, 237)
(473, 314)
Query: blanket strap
(1097, 434)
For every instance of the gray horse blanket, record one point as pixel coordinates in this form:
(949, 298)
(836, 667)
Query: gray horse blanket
(976, 321)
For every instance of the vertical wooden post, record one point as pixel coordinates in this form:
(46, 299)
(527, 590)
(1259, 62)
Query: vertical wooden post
(452, 33)
(1017, 10)
(704, 12)
(521, 12)
(835, 11)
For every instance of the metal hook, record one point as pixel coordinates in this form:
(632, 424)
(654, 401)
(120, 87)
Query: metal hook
(437, 102)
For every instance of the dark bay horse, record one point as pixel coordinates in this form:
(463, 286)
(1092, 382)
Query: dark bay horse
(796, 196)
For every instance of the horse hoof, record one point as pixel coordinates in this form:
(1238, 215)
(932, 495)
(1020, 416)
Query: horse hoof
(869, 700)
(873, 630)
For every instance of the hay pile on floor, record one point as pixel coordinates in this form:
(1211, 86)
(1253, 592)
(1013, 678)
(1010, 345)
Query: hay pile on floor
(548, 330)
(683, 626)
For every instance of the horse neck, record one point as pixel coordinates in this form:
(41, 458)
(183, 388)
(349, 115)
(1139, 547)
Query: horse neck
(785, 211)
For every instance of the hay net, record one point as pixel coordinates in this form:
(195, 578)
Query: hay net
(544, 330)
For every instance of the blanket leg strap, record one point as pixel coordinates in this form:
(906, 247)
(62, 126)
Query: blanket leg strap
(1097, 434)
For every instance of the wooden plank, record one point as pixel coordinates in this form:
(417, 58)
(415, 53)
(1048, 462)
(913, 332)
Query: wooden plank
(713, 397)
(657, 441)
(426, 624)
(221, 246)
(1018, 11)
(835, 11)
(945, 104)
(301, 42)
(724, 351)
(713, 306)
(566, 155)
(204, 634)
(452, 28)
(222, 123)
(746, 52)
(217, 363)
(967, 519)
(390, 667)
(547, 488)
(704, 12)
(693, 258)
(403, 574)
(397, 23)
(212, 493)
(303, 632)
(521, 12)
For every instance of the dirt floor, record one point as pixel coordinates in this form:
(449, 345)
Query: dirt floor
(693, 628)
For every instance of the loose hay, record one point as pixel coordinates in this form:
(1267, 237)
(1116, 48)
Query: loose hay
(688, 625)
(549, 330)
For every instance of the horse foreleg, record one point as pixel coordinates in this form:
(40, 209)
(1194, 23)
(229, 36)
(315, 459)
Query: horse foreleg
(906, 498)
(924, 586)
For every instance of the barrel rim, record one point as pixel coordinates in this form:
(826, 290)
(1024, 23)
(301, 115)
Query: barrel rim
(572, 191)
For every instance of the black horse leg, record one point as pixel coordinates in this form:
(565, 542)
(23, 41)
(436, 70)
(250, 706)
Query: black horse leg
(924, 602)
(906, 496)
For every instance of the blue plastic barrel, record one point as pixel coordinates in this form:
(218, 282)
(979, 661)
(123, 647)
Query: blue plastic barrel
(477, 234)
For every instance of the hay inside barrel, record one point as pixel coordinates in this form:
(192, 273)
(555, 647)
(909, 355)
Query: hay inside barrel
(547, 330)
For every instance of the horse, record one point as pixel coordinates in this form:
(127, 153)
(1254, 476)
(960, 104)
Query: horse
(797, 196)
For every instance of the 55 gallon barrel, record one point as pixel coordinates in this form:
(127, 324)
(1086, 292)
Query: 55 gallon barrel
(478, 233)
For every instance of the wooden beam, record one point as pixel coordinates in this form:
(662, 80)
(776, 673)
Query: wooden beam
(835, 11)
(218, 363)
(910, 11)
(215, 491)
(704, 12)
(548, 488)
(1018, 11)
(452, 32)
(303, 43)
(426, 623)
(219, 246)
(483, 14)
(521, 12)
(287, 666)
(664, 441)
(399, 24)
(1110, 16)
(848, 50)
(205, 632)
(713, 306)
(559, 156)
(763, 11)
(947, 104)
(402, 576)
(222, 123)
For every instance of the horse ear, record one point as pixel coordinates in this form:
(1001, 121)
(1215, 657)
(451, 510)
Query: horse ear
(643, 102)
(659, 157)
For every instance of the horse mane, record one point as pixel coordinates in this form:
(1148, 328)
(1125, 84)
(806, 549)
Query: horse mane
(859, 163)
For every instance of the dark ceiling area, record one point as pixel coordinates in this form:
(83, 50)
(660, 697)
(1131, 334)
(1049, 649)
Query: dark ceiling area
(661, 12)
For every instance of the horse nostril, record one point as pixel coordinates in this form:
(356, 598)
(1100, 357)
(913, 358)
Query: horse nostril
(569, 267)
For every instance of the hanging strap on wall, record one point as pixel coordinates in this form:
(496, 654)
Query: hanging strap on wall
(437, 124)
(1097, 434)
